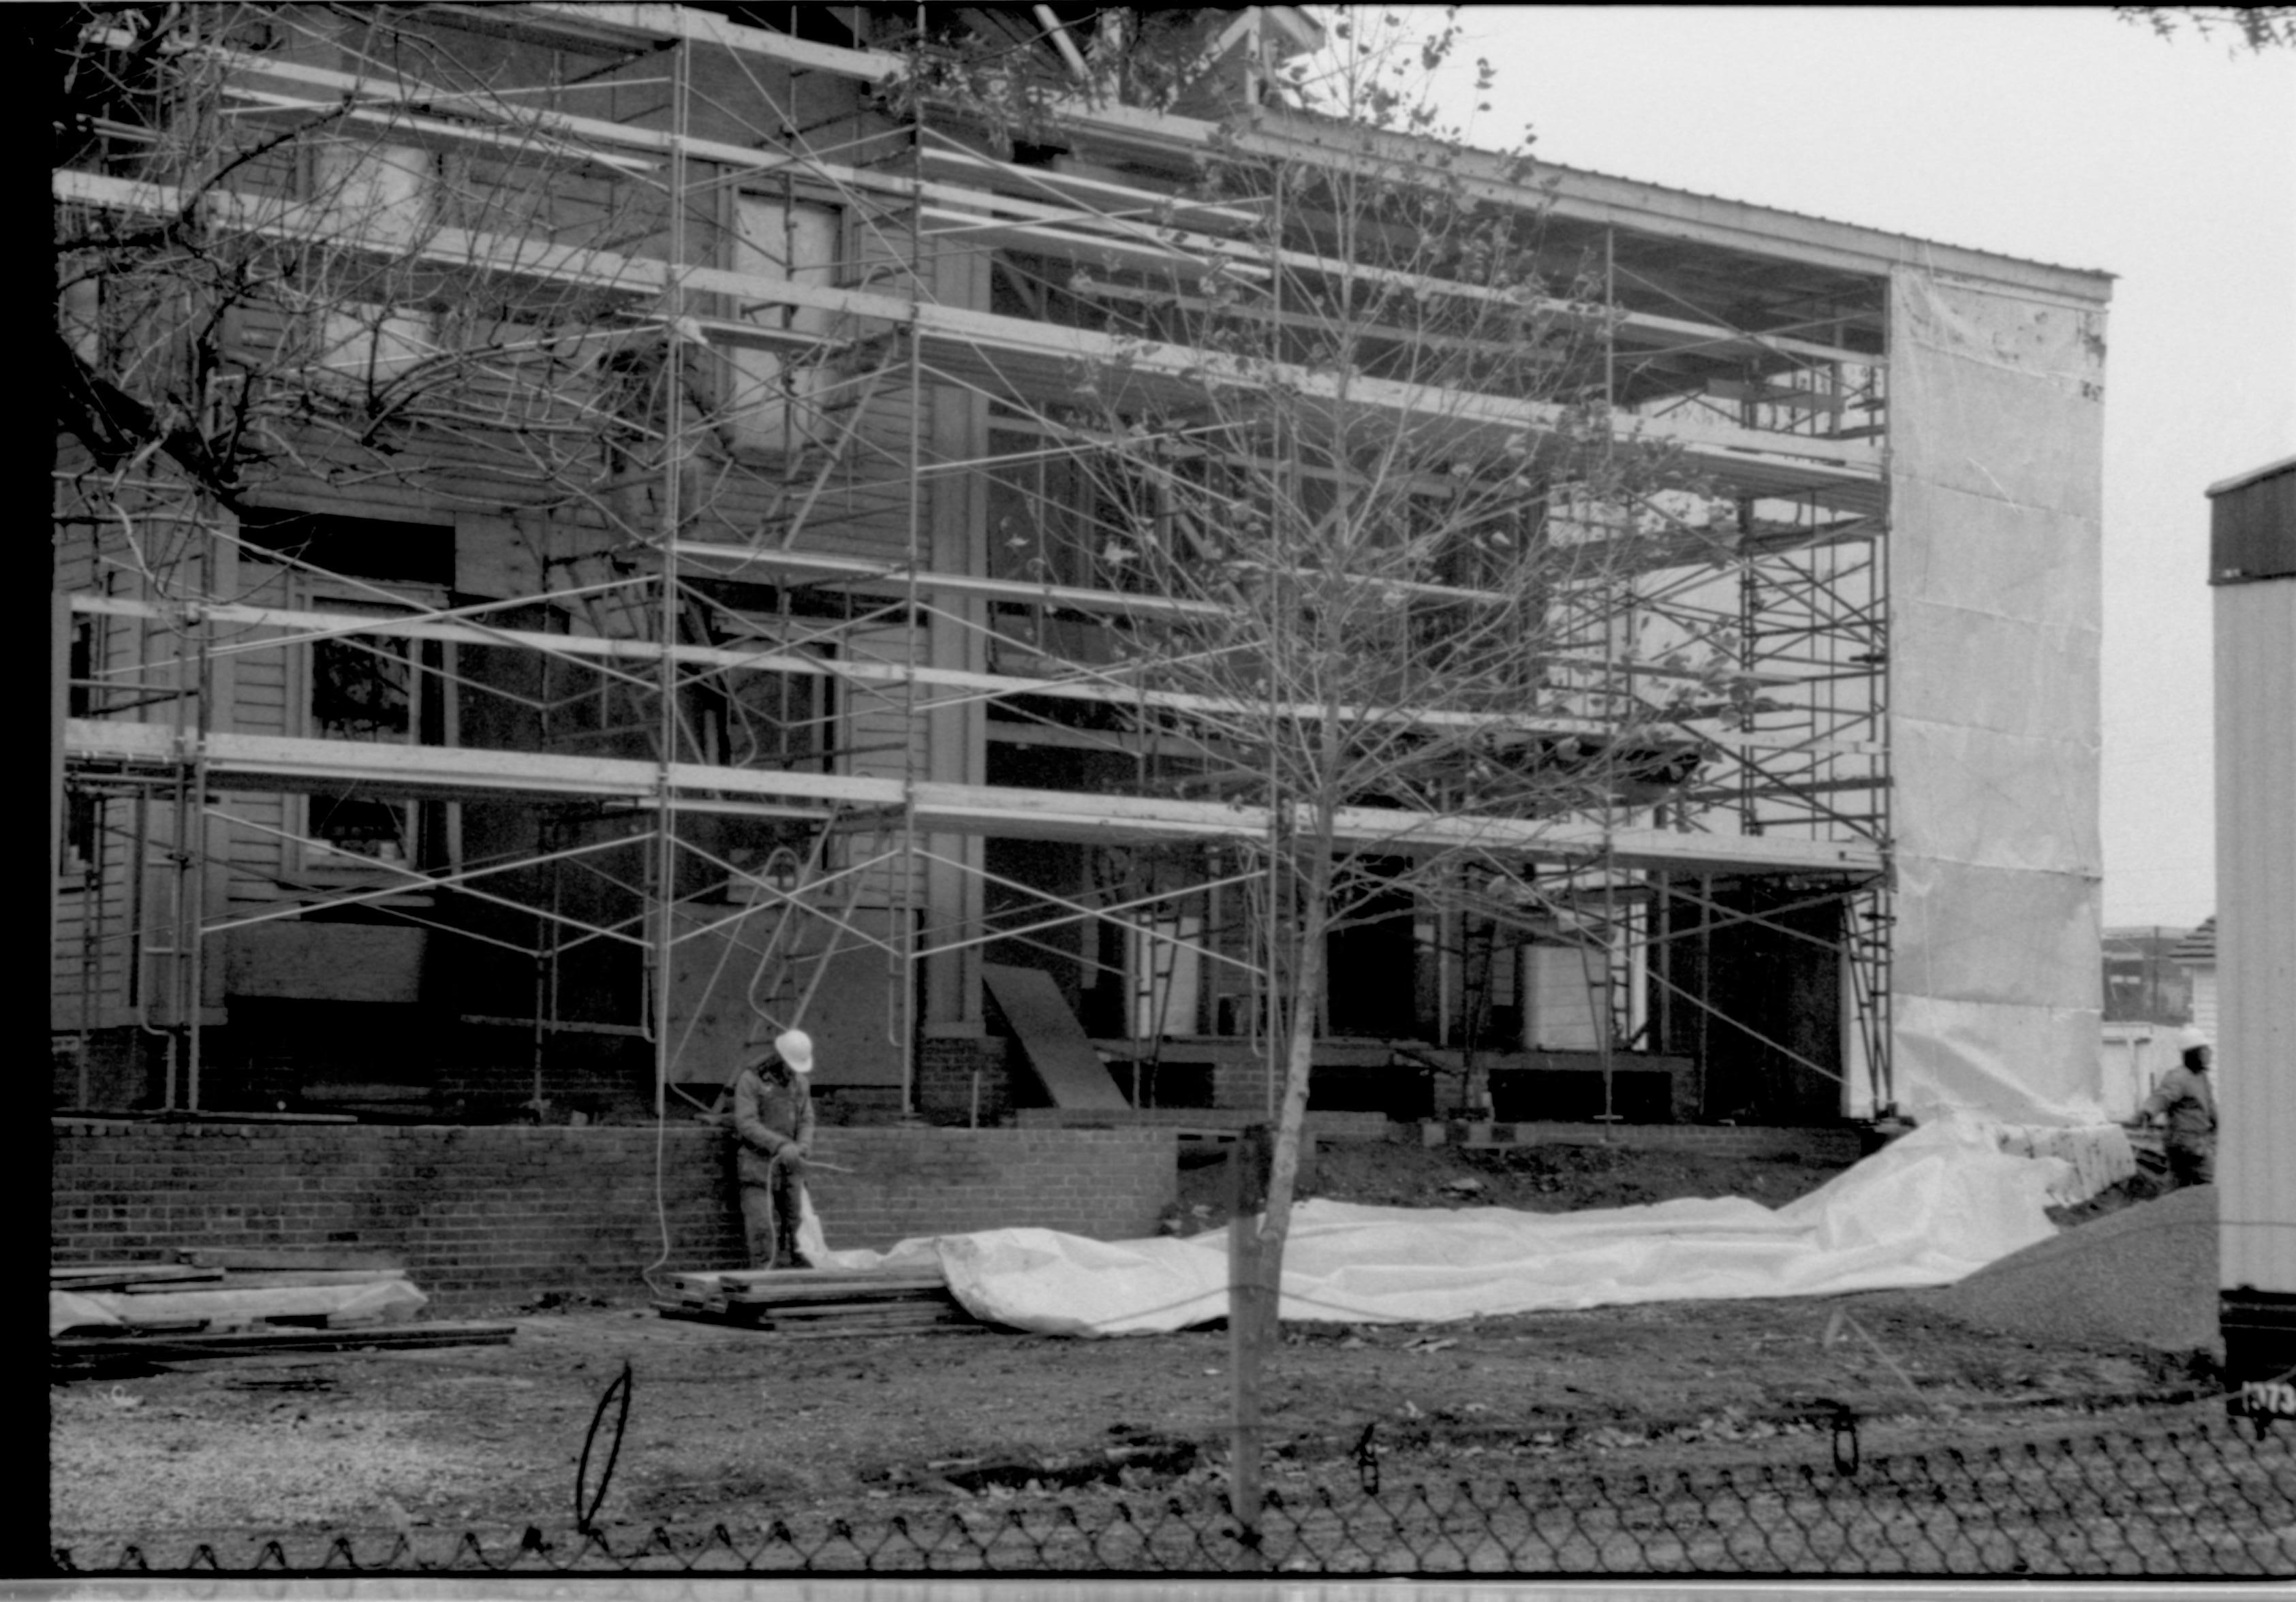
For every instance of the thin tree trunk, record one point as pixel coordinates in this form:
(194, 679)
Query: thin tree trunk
(1291, 1112)
(1247, 1327)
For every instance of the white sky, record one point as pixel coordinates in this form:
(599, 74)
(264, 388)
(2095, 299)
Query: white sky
(2061, 136)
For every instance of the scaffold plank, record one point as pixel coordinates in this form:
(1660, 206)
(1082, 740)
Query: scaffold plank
(277, 762)
(1019, 358)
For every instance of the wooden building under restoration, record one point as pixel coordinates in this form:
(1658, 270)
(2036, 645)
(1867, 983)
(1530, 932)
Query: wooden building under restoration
(590, 533)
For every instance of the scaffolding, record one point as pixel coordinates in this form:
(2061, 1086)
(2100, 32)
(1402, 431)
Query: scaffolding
(628, 626)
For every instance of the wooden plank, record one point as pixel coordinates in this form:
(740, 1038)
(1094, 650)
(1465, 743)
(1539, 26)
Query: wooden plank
(895, 1310)
(824, 1296)
(323, 1258)
(128, 1276)
(831, 1331)
(841, 1279)
(173, 1345)
(1055, 1044)
(891, 675)
(224, 1305)
(283, 1279)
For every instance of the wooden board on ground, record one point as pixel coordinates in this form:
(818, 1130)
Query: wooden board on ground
(129, 1276)
(287, 1257)
(850, 1323)
(165, 1347)
(1055, 1044)
(283, 1279)
(845, 1309)
(815, 1276)
(698, 1288)
(222, 1305)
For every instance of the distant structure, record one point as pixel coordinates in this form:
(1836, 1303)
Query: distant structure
(2196, 954)
(2252, 569)
(2144, 980)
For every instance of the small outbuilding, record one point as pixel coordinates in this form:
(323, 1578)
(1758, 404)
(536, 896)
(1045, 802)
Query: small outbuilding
(2253, 571)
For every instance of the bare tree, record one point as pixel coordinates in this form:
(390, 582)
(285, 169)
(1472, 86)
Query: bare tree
(264, 259)
(1356, 455)
(2259, 27)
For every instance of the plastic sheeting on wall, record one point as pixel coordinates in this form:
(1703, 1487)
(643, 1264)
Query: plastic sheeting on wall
(1928, 1209)
(1996, 485)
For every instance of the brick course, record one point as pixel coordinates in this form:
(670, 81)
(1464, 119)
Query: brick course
(947, 1066)
(489, 1216)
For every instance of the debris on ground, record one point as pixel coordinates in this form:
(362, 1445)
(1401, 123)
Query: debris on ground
(220, 1303)
(211, 1298)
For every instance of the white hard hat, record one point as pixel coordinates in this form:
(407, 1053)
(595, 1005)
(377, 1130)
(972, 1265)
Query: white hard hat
(795, 1046)
(2191, 1035)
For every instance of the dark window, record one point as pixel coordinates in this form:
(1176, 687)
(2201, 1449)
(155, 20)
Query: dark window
(374, 548)
(363, 690)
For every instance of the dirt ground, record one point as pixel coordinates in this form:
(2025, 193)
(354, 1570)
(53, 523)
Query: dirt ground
(739, 1428)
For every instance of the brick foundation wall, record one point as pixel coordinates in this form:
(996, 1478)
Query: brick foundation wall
(1109, 1184)
(1239, 1084)
(946, 1066)
(495, 1215)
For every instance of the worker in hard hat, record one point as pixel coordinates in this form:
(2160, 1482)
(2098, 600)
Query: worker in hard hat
(773, 1115)
(2186, 1103)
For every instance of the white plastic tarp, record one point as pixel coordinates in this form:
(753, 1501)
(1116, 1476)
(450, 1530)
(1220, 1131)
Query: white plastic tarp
(1995, 425)
(1928, 1209)
(217, 1308)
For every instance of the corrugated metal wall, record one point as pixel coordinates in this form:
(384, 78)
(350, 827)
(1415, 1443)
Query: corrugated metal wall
(2256, 922)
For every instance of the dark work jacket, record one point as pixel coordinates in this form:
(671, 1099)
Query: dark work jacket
(2189, 1102)
(772, 1111)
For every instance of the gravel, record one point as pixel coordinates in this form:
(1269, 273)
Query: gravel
(2146, 1275)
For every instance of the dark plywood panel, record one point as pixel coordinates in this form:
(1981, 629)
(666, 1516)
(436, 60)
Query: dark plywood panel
(1055, 1044)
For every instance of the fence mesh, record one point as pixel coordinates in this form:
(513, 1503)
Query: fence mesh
(2213, 1498)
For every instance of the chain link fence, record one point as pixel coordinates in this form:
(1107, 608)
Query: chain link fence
(2213, 1498)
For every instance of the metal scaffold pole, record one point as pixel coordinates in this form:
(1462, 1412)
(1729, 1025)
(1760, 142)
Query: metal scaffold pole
(664, 875)
(901, 1000)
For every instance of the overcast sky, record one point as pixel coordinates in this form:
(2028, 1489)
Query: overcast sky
(2061, 136)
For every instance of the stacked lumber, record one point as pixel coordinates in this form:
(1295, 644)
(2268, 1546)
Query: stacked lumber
(819, 1301)
(217, 1301)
